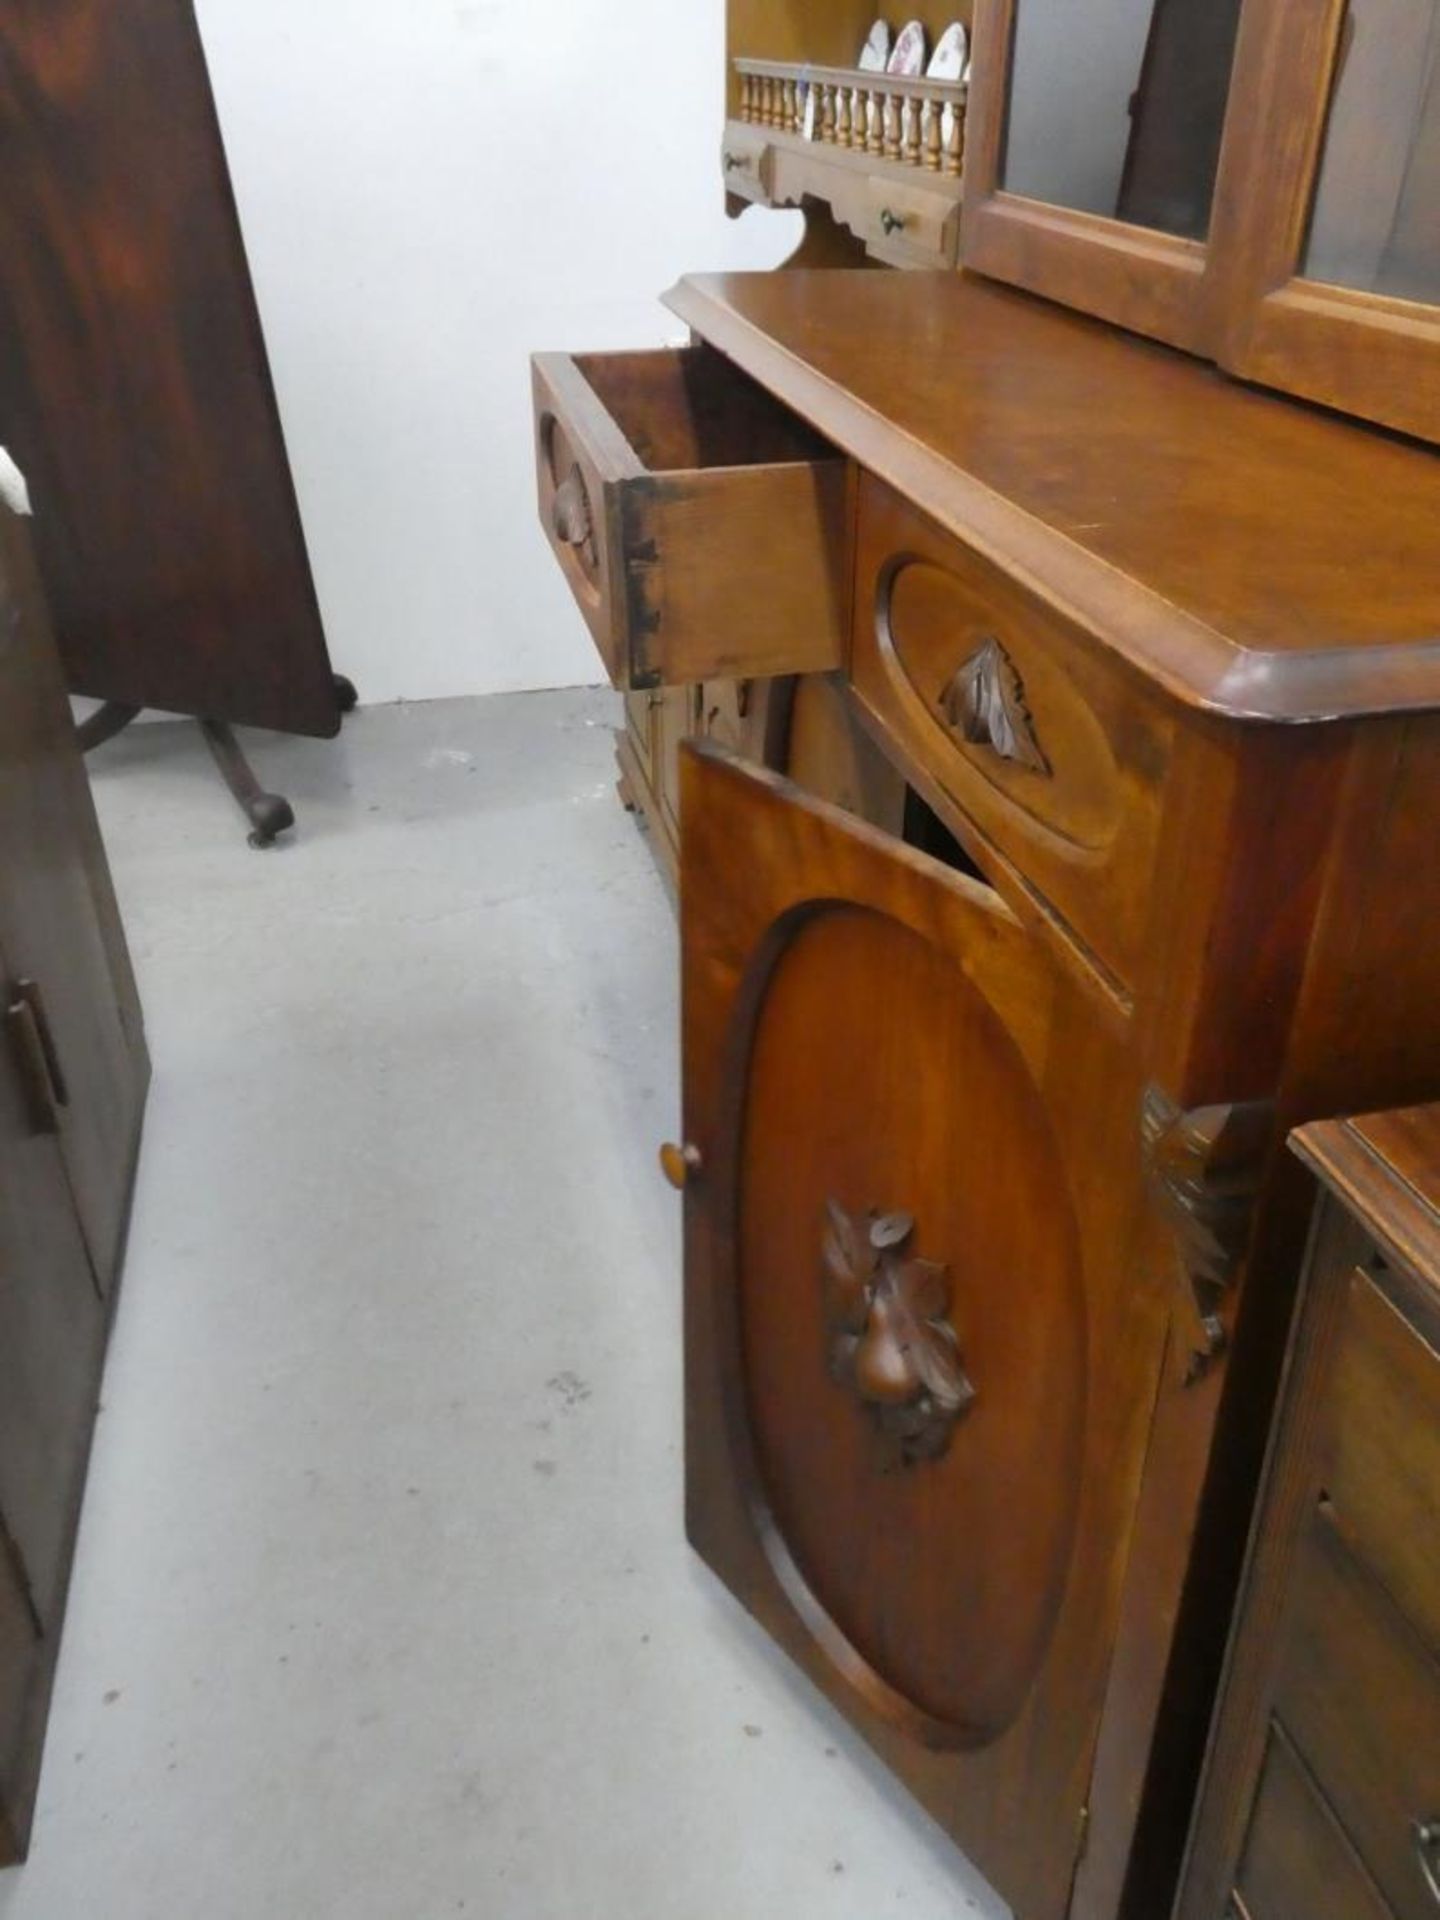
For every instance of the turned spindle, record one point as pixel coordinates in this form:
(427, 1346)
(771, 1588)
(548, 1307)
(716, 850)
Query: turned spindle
(827, 113)
(930, 134)
(954, 138)
(910, 131)
(859, 116)
(842, 116)
(875, 123)
(891, 126)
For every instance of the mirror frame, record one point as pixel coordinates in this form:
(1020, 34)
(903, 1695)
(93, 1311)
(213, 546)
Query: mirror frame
(1136, 277)
(1365, 353)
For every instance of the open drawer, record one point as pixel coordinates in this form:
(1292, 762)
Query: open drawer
(701, 525)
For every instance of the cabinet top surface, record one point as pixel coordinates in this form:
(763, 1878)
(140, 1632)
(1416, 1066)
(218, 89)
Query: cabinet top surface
(1254, 555)
(1386, 1168)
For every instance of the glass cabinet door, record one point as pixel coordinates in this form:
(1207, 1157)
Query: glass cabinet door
(1375, 224)
(1117, 107)
(1094, 143)
(1327, 225)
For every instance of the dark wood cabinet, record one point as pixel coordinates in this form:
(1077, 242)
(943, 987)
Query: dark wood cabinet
(73, 1077)
(1322, 1788)
(70, 993)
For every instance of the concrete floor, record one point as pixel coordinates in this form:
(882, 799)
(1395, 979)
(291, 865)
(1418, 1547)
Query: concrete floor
(382, 1605)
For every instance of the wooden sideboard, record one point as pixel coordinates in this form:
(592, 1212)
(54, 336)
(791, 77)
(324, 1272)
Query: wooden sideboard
(1106, 858)
(73, 1078)
(1322, 1787)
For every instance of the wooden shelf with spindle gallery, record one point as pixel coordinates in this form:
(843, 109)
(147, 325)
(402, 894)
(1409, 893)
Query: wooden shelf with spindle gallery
(882, 150)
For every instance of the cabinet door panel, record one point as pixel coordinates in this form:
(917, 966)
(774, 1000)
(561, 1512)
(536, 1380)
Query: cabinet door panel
(52, 1339)
(20, 1647)
(921, 1354)
(57, 909)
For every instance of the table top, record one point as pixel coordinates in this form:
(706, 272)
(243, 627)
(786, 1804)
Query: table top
(1385, 1167)
(1258, 556)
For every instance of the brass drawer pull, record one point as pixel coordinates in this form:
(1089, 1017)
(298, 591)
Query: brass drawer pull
(891, 222)
(734, 161)
(36, 1056)
(1427, 1852)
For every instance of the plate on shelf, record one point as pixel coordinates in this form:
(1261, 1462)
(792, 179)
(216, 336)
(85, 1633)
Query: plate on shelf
(908, 55)
(876, 50)
(951, 55)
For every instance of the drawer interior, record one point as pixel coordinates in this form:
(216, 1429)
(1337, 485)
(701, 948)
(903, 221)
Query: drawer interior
(687, 408)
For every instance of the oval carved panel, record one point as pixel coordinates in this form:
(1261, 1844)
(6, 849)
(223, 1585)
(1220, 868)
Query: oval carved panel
(571, 510)
(912, 1324)
(1041, 743)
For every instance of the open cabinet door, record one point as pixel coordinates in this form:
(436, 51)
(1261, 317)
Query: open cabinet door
(920, 1359)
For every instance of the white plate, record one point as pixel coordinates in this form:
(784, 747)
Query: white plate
(876, 50)
(949, 58)
(908, 55)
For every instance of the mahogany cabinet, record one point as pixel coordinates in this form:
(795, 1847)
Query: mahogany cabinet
(1322, 1786)
(1107, 859)
(73, 1078)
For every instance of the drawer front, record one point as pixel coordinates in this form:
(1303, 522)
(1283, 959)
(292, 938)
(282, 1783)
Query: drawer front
(1381, 1452)
(1297, 1864)
(701, 528)
(1359, 1694)
(910, 224)
(747, 162)
(1051, 756)
(581, 455)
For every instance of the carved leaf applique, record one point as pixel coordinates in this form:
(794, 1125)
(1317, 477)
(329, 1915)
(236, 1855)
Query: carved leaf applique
(891, 1341)
(985, 703)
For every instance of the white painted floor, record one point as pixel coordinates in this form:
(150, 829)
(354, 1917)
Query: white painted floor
(382, 1606)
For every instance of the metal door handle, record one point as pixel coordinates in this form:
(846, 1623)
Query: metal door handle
(1427, 1852)
(36, 1055)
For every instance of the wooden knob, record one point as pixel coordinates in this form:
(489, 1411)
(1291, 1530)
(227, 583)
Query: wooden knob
(679, 1165)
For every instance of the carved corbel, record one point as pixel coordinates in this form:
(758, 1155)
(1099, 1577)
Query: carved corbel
(891, 1341)
(1204, 1166)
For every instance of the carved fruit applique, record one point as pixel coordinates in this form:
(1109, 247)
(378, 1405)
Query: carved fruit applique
(891, 1341)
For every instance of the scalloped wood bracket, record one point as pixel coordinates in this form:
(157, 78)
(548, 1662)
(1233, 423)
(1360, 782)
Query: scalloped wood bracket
(891, 1339)
(985, 704)
(1204, 1166)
